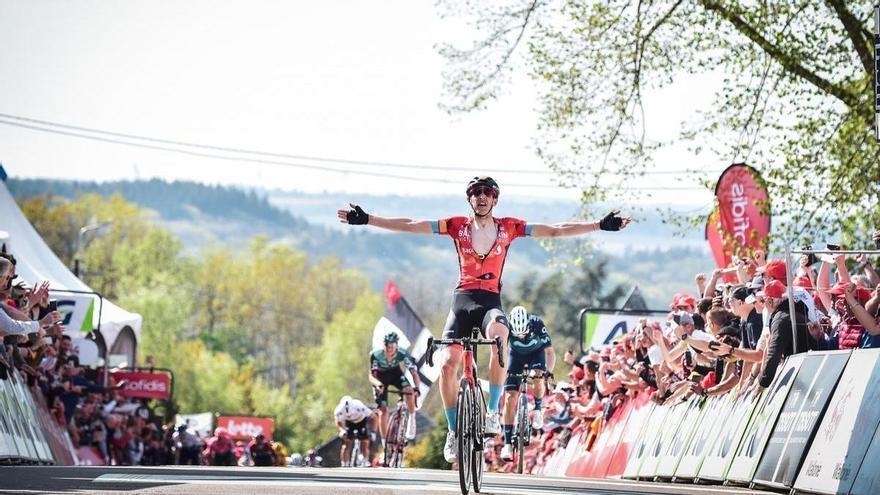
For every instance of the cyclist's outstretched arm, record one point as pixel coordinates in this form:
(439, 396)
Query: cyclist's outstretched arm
(611, 222)
(357, 216)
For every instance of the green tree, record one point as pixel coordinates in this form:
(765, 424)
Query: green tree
(796, 98)
(340, 368)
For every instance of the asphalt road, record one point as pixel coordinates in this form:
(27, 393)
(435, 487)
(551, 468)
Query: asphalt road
(304, 481)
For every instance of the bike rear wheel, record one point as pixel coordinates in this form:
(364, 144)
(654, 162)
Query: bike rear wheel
(522, 418)
(391, 445)
(464, 431)
(401, 437)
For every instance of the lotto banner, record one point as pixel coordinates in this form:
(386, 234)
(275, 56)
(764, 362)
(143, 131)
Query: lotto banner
(247, 427)
(742, 469)
(799, 418)
(845, 433)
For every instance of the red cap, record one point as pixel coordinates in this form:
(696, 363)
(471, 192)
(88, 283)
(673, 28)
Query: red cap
(774, 268)
(774, 289)
(863, 295)
(577, 373)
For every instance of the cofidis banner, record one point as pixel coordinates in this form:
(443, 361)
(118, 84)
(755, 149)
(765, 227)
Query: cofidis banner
(740, 222)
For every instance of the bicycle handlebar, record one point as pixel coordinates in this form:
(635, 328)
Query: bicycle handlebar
(432, 343)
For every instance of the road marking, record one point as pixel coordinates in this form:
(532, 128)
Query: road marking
(395, 485)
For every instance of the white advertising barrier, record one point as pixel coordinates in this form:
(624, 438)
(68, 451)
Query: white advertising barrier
(24, 449)
(554, 465)
(867, 480)
(724, 446)
(8, 445)
(799, 418)
(659, 440)
(668, 429)
(642, 430)
(203, 423)
(710, 423)
(28, 409)
(674, 451)
(742, 469)
(844, 435)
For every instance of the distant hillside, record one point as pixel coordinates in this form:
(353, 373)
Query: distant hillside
(646, 254)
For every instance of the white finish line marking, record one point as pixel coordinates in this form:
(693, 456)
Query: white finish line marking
(436, 484)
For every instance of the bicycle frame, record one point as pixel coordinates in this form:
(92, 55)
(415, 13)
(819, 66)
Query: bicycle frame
(471, 407)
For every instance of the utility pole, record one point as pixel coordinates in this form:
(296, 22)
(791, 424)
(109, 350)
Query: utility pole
(80, 242)
(877, 70)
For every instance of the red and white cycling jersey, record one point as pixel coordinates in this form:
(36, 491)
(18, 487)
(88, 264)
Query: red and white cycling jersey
(476, 272)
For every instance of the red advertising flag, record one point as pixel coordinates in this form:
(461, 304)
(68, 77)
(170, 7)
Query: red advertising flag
(392, 294)
(247, 427)
(143, 384)
(740, 222)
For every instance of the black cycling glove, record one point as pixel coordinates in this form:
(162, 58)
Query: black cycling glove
(612, 222)
(357, 216)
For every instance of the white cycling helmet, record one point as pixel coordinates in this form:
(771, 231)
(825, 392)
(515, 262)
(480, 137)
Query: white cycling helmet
(344, 402)
(519, 321)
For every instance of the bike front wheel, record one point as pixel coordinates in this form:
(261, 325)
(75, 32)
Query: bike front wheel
(391, 446)
(464, 431)
(478, 407)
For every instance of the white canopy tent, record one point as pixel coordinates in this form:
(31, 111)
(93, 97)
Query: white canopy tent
(79, 304)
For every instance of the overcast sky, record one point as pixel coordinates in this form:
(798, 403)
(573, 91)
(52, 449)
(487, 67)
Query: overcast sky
(337, 79)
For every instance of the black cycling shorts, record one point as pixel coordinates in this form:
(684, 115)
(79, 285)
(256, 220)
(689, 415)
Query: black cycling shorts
(516, 362)
(393, 377)
(361, 430)
(473, 308)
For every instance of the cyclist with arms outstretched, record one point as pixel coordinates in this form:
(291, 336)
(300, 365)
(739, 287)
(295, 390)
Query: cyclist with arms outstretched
(531, 348)
(482, 242)
(387, 368)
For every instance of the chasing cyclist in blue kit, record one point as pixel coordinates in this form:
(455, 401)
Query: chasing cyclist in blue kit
(530, 347)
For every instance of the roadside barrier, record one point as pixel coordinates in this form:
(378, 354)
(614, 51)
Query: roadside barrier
(28, 433)
(816, 429)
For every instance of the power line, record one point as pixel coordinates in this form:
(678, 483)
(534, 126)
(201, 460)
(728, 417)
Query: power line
(265, 153)
(288, 155)
(301, 165)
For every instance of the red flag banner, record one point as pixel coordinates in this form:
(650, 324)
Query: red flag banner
(247, 427)
(392, 294)
(740, 222)
(143, 384)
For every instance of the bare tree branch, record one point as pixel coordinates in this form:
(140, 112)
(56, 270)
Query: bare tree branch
(854, 30)
(787, 62)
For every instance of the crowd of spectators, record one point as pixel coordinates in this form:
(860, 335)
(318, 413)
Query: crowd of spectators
(91, 406)
(96, 414)
(731, 337)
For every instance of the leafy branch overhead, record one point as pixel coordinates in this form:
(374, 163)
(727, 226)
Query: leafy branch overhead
(796, 100)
